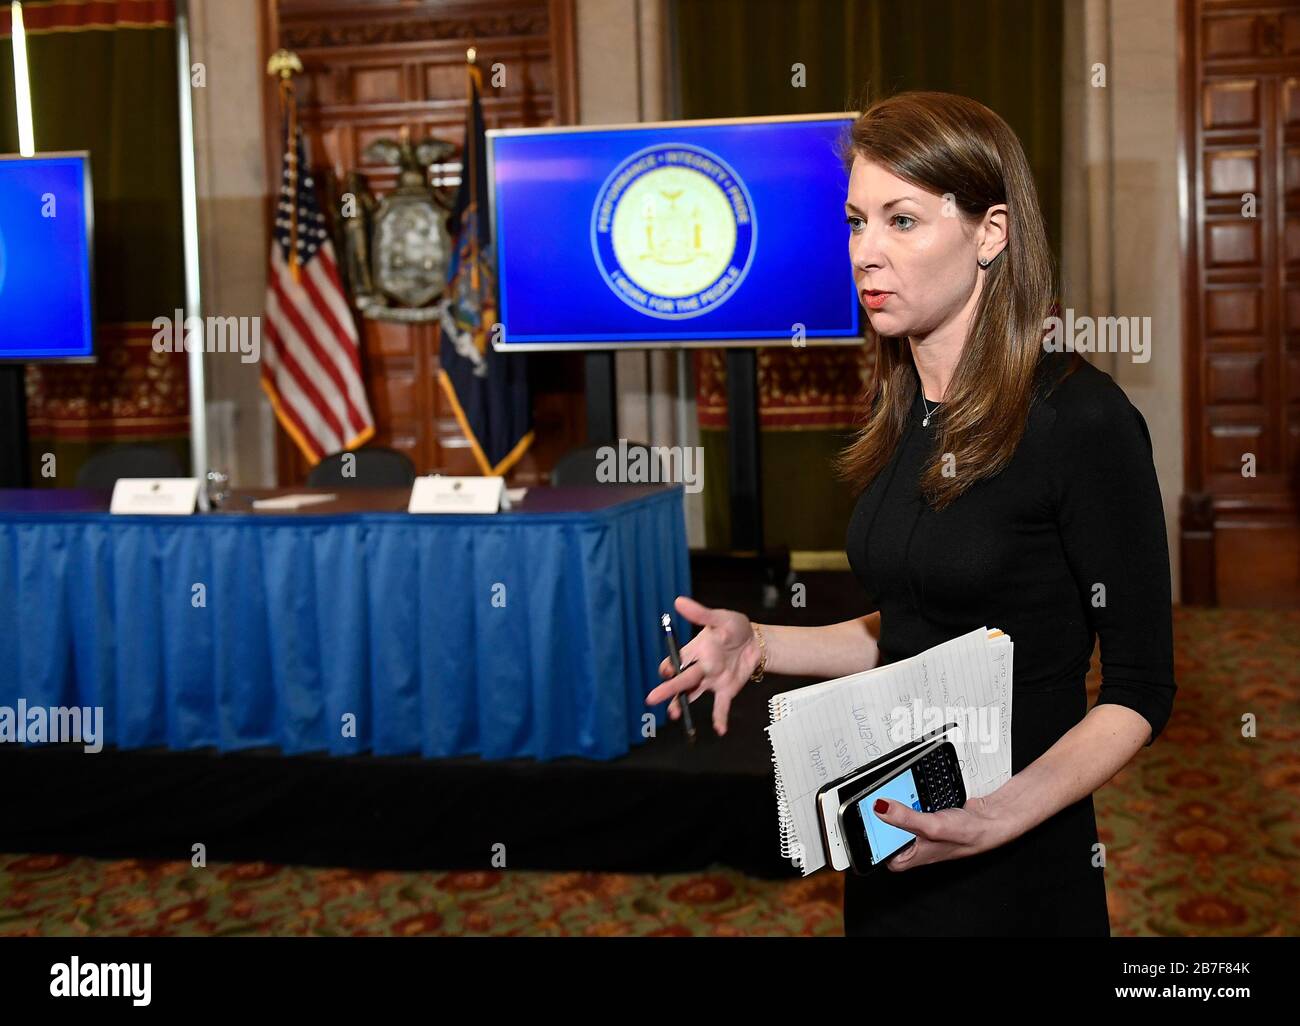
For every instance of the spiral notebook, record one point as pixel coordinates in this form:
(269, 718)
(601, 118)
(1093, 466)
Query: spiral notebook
(822, 731)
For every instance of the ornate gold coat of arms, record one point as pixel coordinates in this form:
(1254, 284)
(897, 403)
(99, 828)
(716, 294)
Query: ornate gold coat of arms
(397, 250)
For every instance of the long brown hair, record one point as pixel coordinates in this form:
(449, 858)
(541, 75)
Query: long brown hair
(945, 143)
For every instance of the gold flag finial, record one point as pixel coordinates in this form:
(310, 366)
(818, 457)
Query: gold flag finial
(284, 63)
(471, 54)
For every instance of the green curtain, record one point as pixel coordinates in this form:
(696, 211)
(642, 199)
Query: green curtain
(737, 58)
(104, 79)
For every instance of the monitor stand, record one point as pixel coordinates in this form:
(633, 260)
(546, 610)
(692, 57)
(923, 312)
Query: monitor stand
(765, 570)
(14, 469)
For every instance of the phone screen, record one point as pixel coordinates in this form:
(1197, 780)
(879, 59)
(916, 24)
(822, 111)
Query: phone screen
(884, 838)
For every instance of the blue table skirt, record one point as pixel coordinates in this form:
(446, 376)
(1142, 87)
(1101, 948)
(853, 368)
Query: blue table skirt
(387, 617)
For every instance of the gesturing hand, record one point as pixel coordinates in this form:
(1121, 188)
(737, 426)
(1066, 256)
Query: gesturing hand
(725, 654)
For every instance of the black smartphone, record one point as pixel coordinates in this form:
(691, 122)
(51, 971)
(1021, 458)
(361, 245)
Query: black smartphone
(831, 797)
(928, 782)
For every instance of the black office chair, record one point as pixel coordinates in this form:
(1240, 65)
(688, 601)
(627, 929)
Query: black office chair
(375, 467)
(579, 466)
(104, 468)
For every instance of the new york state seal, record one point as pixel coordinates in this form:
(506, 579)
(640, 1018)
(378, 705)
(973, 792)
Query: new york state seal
(673, 231)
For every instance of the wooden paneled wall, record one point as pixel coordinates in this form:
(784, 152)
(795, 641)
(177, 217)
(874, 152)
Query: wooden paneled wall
(372, 67)
(1241, 138)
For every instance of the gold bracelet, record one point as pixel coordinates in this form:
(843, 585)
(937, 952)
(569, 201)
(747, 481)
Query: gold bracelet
(757, 675)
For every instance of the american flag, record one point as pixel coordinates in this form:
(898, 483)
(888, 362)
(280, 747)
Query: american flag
(311, 362)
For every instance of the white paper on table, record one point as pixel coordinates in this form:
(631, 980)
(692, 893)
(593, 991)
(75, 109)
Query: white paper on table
(292, 501)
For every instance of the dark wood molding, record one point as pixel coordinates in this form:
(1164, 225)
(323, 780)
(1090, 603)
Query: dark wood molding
(564, 59)
(296, 36)
(1239, 64)
(1196, 550)
(1188, 228)
(268, 41)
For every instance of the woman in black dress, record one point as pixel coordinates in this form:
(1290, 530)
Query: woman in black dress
(1003, 483)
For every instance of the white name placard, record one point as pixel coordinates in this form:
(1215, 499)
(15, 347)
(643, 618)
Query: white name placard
(438, 494)
(175, 496)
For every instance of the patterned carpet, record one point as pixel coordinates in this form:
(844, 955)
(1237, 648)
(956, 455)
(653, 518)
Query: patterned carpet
(1202, 835)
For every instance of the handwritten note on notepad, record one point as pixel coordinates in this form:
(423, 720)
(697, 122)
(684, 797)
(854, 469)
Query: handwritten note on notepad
(821, 732)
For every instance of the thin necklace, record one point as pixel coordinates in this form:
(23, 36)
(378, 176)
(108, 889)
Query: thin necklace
(928, 412)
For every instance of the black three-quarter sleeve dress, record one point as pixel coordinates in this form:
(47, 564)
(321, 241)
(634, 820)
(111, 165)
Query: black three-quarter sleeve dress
(1066, 545)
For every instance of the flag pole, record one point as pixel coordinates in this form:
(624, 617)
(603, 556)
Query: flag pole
(196, 377)
(285, 64)
(471, 57)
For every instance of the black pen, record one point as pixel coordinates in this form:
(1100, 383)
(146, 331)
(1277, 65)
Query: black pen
(675, 657)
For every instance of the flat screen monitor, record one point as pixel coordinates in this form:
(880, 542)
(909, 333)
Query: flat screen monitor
(46, 248)
(673, 234)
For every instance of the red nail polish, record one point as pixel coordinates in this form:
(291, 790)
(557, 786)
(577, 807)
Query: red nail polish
(881, 805)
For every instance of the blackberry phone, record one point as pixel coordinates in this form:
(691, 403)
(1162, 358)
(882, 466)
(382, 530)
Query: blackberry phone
(928, 782)
(833, 795)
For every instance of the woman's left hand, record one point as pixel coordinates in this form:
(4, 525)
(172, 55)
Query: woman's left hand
(980, 824)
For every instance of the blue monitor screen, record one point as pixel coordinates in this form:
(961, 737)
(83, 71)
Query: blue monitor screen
(679, 234)
(45, 280)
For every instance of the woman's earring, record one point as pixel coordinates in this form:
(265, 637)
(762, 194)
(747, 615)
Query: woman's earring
(984, 263)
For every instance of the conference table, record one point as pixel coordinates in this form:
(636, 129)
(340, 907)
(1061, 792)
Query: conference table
(350, 626)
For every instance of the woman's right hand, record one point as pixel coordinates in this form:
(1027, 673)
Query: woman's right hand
(725, 654)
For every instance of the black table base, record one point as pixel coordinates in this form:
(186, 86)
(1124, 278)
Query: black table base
(665, 807)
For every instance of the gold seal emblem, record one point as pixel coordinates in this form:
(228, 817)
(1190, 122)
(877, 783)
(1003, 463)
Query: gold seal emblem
(673, 231)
